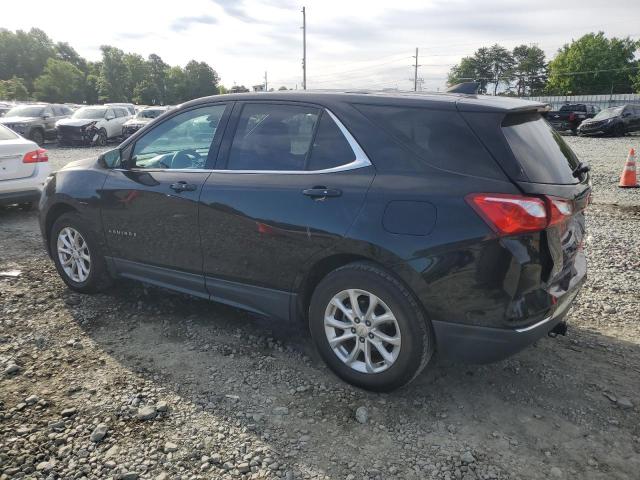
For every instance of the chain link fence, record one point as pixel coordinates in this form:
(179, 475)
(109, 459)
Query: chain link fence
(602, 101)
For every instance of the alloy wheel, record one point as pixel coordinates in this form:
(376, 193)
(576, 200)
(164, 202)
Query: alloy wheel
(362, 331)
(74, 255)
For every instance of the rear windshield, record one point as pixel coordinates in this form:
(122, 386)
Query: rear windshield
(542, 153)
(573, 108)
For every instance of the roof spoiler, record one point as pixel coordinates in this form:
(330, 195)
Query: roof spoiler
(465, 87)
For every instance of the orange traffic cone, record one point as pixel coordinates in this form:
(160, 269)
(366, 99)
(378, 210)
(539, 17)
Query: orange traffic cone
(628, 178)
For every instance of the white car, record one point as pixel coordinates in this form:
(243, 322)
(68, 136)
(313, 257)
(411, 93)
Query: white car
(24, 166)
(92, 125)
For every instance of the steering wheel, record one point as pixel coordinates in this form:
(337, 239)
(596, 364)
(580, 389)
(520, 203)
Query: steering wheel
(188, 158)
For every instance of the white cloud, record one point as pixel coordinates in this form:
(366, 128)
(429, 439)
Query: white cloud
(355, 44)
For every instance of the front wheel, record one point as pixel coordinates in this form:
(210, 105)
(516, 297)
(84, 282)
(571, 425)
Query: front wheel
(101, 141)
(619, 130)
(369, 328)
(37, 136)
(77, 255)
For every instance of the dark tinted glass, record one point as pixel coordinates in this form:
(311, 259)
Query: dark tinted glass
(330, 148)
(542, 153)
(272, 137)
(439, 137)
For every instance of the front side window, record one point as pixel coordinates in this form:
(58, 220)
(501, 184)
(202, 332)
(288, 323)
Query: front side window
(182, 141)
(272, 137)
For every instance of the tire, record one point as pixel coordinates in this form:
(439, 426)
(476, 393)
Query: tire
(101, 141)
(416, 345)
(619, 130)
(37, 136)
(97, 277)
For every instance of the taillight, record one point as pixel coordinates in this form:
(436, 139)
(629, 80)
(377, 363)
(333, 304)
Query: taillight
(512, 214)
(559, 210)
(36, 156)
(572, 117)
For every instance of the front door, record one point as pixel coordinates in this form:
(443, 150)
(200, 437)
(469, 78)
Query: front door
(290, 186)
(150, 207)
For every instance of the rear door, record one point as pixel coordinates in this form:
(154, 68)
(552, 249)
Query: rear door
(289, 184)
(12, 150)
(150, 207)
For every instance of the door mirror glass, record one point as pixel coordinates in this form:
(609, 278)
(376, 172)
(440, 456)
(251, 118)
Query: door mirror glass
(110, 159)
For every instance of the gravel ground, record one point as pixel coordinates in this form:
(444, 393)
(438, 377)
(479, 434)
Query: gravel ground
(136, 383)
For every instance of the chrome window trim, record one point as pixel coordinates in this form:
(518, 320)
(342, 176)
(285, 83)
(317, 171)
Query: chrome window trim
(361, 160)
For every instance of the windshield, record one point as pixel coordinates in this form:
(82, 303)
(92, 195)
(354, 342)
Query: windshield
(609, 113)
(90, 113)
(25, 111)
(149, 113)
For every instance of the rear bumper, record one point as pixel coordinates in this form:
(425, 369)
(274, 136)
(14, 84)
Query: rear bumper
(475, 344)
(25, 196)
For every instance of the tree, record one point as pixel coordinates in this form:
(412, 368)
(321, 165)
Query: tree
(593, 64)
(158, 75)
(501, 64)
(138, 71)
(530, 69)
(13, 89)
(146, 93)
(238, 89)
(66, 52)
(60, 82)
(92, 89)
(114, 76)
(475, 68)
(200, 79)
(24, 54)
(282, 88)
(176, 86)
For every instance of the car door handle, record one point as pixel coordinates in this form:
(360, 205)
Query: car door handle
(321, 192)
(183, 187)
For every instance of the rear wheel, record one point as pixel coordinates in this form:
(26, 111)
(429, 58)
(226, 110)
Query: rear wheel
(37, 136)
(368, 327)
(77, 255)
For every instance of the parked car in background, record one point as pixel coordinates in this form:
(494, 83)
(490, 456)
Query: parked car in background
(93, 125)
(4, 108)
(570, 116)
(36, 122)
(615, 121)
(396, 226)
(131, 108)
(24, 166)
(142, 118)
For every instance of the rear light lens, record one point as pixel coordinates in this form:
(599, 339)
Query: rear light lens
(36, 156)
(572, 117)
(513, 214)
(559, 210)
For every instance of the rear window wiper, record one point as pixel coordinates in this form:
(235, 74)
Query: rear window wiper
(580, 169)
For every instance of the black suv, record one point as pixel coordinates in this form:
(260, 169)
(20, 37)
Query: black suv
(36, 122)
(615, 121)
(396, 225)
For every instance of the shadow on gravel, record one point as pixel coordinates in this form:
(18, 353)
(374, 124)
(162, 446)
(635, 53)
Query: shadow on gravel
(561, 402)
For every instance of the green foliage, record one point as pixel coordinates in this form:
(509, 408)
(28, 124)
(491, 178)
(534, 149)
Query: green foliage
(13, 89)
(60, 82)
(593, 64)
(530, 70)
(32, 65)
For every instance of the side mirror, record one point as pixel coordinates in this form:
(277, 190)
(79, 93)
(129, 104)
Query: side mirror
(110, 159)
(46, 116)
(109, 117)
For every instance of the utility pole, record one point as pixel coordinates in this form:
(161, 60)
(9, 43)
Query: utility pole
(266, 85)
(304, 48)
(415, 73)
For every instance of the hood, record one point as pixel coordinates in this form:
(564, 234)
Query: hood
(80, 164)
(75, 122)
(138, 121)
(18, 119)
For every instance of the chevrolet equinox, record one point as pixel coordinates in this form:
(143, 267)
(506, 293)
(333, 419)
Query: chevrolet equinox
(395, 225)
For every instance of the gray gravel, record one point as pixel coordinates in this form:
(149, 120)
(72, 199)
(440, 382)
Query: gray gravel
(237, 397)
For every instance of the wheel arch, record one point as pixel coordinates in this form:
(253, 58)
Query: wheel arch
(52, 215)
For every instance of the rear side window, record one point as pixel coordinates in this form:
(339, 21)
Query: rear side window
(330, 147)
(542, 153)
(272, 137)
(442, 138)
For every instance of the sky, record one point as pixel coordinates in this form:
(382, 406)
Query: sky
(350, 43)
